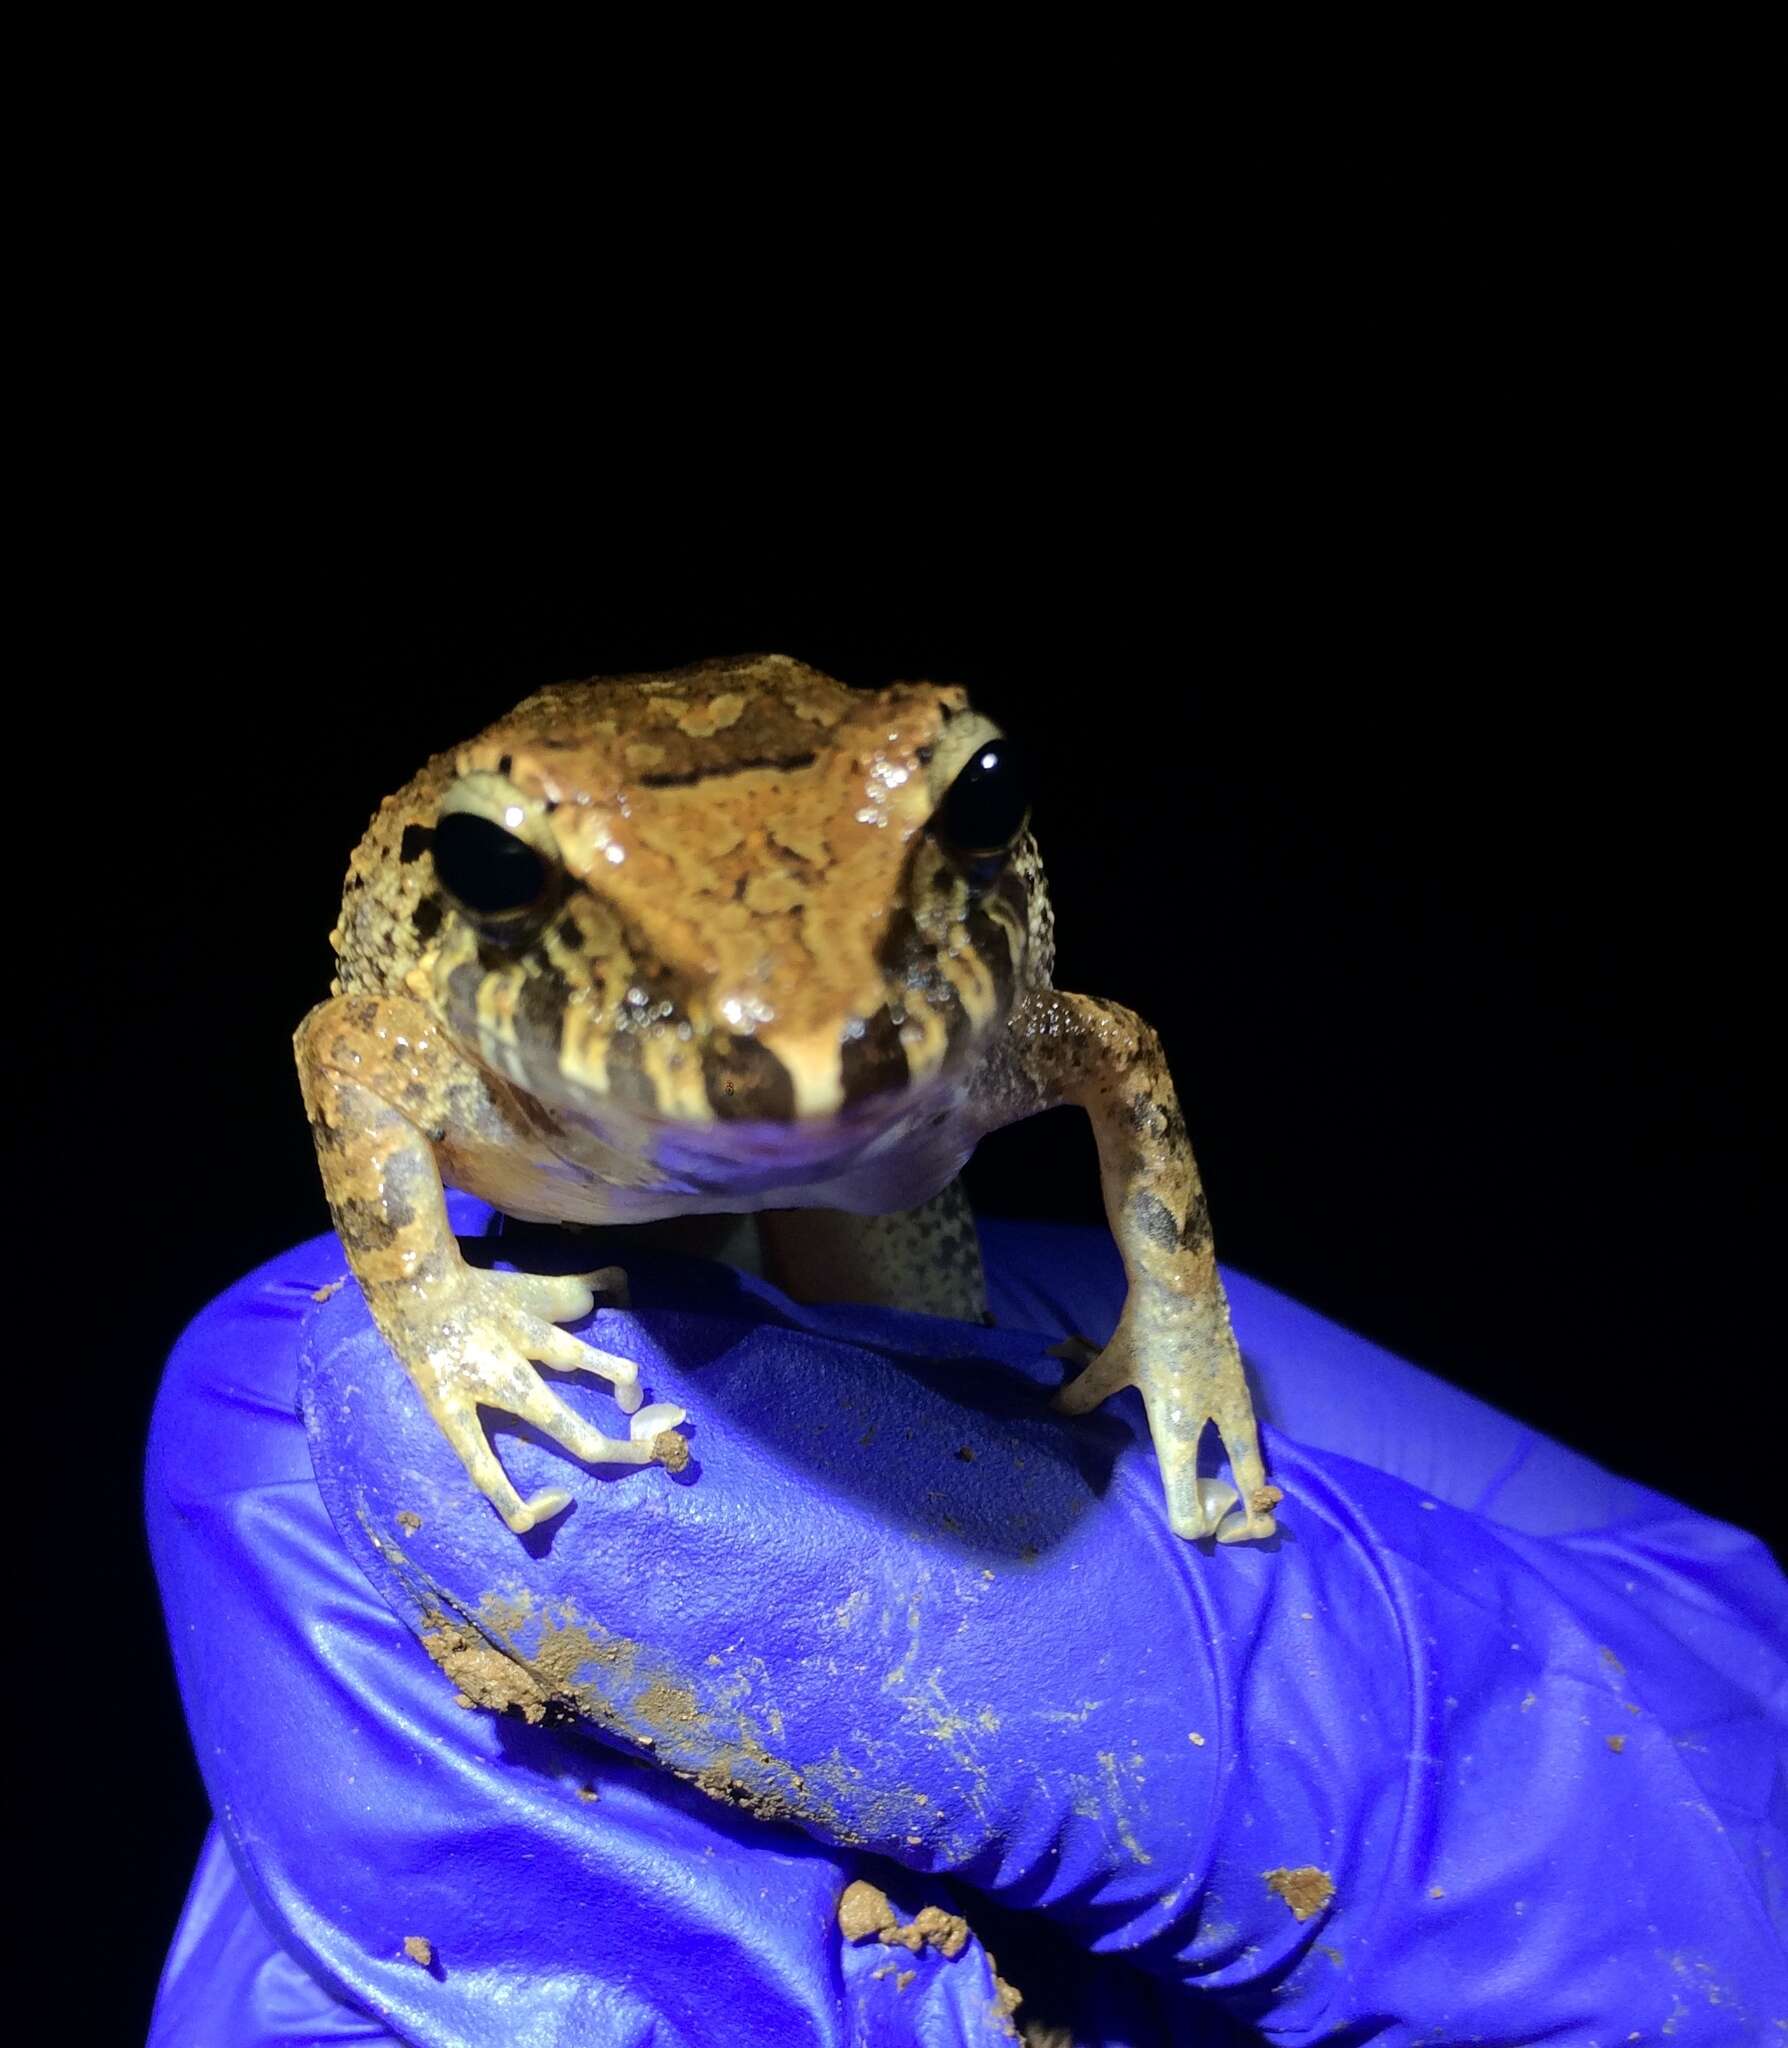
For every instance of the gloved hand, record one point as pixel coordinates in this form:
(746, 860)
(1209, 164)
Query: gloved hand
(1486, 1745)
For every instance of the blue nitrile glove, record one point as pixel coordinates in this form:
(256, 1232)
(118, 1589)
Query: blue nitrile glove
(1487, 1745)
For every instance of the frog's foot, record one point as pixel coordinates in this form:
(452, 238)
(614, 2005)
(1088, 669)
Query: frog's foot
(479, 1348)
(1184, 1360)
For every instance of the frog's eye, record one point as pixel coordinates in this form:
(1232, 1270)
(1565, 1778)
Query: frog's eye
(985, 808)
(485, 869)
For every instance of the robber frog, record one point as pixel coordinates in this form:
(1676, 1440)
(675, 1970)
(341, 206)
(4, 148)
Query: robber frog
(727, 940)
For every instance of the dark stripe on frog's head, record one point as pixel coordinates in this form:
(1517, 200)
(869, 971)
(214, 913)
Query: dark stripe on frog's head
(875, 1060)
(540, 1006)
(626, 1079)
(993, 946)
(935, 994)
(940, 996)
(463, 984)
(745, 1081)
(911, 962)
(685, 778)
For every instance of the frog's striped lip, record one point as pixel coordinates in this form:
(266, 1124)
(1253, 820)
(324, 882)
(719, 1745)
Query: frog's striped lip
(664, 1071)
(750, 1092)
(769, 1079)
(852, 1080)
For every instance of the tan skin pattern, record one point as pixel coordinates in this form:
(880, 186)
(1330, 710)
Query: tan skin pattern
(735, 961)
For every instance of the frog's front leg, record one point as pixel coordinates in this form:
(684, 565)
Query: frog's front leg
(1173, 1340)
(386, 1096)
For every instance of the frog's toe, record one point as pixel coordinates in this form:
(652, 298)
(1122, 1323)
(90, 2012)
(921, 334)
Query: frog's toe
(1074, 1351)
(653, 1421)
(566, 1353)
(554, 1297)
(1110, 1369)
(538, 1404)
(550, 1501)
(1247, 1527)
(1257, 1498)
(465, 1433)
(609, 1283)
(562, 1297)
(1201, 1507)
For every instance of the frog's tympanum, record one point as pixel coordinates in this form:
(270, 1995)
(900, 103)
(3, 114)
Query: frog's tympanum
(733, 940)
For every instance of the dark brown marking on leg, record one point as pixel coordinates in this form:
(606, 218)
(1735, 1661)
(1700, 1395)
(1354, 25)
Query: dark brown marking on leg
(1154, 1221)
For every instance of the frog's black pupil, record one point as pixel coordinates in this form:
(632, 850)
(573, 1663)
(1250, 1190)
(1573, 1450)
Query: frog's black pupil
(984, 809)
(486, 869)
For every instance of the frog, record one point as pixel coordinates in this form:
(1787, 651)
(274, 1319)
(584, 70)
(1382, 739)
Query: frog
(734, 940)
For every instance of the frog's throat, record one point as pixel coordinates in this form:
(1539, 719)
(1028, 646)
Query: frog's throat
(888, 1151)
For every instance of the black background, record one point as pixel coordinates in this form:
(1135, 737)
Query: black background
(1397, 756)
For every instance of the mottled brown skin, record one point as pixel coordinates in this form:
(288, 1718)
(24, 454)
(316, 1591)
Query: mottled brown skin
(755, 978)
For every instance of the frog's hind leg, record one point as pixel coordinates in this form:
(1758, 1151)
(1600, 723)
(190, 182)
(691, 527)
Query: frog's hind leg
(927, 1259)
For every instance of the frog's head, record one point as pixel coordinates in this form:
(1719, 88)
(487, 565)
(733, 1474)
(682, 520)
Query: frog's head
(732, 901)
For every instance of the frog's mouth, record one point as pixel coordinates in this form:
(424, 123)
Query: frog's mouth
(874, 1137)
